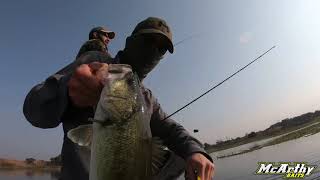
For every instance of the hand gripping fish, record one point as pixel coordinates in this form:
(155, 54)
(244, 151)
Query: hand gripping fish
(120, 137)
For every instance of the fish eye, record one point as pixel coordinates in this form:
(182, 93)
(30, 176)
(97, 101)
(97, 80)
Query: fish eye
(130, 81)
(129, 78)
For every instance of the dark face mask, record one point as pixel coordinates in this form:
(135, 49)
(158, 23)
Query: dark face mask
(142, 53)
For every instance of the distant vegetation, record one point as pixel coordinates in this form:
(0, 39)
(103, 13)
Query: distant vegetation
(282, 127)
(56, 160)
(31, 163)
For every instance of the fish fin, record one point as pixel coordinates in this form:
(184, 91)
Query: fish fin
(81, 135)
(159, 155)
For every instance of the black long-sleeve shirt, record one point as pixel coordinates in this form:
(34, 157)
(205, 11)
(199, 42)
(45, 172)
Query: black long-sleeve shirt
(48, 104)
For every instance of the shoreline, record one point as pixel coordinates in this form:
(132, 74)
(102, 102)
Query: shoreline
(48, 168)
(37, 165)
(306, 131)
(242, 141)
(30, 172)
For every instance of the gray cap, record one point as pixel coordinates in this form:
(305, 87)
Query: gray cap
(111, 34)
(156, 26)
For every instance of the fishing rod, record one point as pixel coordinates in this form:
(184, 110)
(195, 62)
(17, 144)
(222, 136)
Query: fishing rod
(219, 83)
(186, 39)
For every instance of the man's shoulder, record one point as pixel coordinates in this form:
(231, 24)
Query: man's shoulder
(92, 45)
(87, 58)
(96, 56)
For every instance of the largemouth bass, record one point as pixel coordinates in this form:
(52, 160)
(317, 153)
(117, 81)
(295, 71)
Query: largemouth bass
(120, 137)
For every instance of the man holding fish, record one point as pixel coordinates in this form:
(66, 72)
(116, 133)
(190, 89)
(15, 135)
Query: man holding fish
(71, 96)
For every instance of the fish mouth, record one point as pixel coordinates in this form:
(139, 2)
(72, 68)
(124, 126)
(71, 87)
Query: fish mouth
(117, 97)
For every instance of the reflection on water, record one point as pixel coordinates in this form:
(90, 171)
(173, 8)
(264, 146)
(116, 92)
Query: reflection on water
(28, 174)
(240, 167)
(305, 149)
(248, 146)
(243, 167)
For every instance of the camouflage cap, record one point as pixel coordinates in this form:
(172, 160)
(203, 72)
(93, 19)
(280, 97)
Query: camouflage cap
(111, 34)
(157, 26)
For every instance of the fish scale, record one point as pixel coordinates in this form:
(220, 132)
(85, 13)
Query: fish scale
(125, 149)
(121, 142)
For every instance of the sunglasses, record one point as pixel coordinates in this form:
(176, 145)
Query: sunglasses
(104, 34)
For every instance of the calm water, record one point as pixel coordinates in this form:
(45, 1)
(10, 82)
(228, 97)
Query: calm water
(305, 149)
(28, 175)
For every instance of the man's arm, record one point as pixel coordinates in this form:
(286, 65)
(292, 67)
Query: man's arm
(46, 102)
(198, 162)
(175, 136)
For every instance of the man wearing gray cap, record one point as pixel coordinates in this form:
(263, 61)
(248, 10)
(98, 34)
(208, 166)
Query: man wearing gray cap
(144, 49)
(99, 38)
(70, 95)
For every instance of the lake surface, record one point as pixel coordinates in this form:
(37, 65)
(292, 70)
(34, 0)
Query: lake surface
(239, 167)
(28, 175)
(305, 149)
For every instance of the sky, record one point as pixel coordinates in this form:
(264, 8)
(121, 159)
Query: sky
(38, 37)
